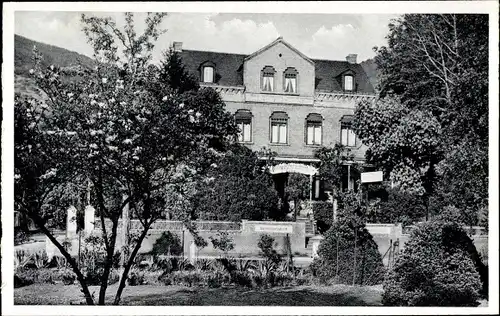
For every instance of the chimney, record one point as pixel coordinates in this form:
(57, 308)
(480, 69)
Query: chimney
(351, 58)
(178, 46)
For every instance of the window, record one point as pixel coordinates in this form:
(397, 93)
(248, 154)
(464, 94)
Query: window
(279, 128)
(347, 136)
(348, 82)
(290, 80)
(208, 74)
(314, 129)
(244, 122)
(268, 79)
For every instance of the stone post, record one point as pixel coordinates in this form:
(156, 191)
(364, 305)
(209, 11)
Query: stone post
(89, 219)
(192, 252)
(71, 222)
(316, 240)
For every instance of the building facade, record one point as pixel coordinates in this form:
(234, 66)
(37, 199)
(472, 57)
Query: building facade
(286, 102)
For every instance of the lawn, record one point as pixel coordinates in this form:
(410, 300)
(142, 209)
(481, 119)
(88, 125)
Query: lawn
(338, 295)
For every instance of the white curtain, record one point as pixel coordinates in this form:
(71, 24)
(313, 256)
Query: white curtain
(274, 133)
(317, 135)
(310, 134)
(282, 139)
(208, 74)
(348, 83)
(268, 83)
(290, 84)
(240, 134)
(246, 132)
(343, 138)
(352, 138)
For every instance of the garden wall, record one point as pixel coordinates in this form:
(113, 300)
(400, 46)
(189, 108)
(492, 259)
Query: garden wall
(245, 235)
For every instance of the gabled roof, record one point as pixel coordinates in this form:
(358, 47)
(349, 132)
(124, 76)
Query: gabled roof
(229, 69)
(282, 41)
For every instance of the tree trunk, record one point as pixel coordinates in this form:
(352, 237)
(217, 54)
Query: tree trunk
(130, 261)
(71, 260)
(108, 264)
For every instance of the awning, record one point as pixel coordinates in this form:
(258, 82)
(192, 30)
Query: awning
(279, 116)
(314, 117)
(243, 114)
(347, 119)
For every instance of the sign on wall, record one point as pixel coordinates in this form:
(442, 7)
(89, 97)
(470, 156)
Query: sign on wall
(370, 177)
(293, 168)
(286, 229)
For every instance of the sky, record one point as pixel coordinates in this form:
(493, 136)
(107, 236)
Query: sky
(319, 36)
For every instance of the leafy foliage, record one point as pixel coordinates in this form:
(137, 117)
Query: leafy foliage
(266, 246)
(237, 187)
(323, 215)
(434, 269)
(119, 126)
(223, 242)
(429, 130)
(348, 254)
(167, 243)
(297, 189)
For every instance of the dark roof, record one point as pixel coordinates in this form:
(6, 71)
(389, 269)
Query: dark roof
(228, 67)
(229, 70)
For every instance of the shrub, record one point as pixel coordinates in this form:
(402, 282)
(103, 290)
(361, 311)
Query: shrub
(434, 269)
(136, 277)
(323, 214)
(222, 242)
(167, 243)
(266, 246)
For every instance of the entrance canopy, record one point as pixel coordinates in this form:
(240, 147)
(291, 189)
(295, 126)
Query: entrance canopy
(293, 168)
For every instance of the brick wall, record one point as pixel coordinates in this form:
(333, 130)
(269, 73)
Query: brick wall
(288, 58)
(296, 126)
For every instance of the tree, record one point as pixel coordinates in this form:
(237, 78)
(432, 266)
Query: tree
(433, 83)
(130, 134)
(436, 268)
(297, 189)
(348, 254)
(238, 187)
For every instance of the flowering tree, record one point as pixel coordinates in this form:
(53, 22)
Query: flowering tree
(130, 134)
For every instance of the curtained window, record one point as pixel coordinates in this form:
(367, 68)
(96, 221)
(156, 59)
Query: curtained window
(314, 124)
(279, 128)
(244, 122)
(268, 79)
(290, 81)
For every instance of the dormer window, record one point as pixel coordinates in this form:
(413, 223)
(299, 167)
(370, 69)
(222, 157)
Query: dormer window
(208, 74)
(290, 80)
(268, 79)
(348, 83)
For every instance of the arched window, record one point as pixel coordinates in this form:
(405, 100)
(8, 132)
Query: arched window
(279, 128)
(290, 80)
(314, 128)
(348, 82)
(347, 135)
(244, 121)
(268, 79)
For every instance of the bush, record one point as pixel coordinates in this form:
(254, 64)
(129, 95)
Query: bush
(323, 215)
(369, 266)
(168, 243)
(222, 242)
(434, 269)
(136, 277)
(266, 246)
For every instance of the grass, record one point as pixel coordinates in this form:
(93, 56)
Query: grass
(338, 295)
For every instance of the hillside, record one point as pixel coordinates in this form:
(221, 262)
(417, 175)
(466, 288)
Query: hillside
(52, 55)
